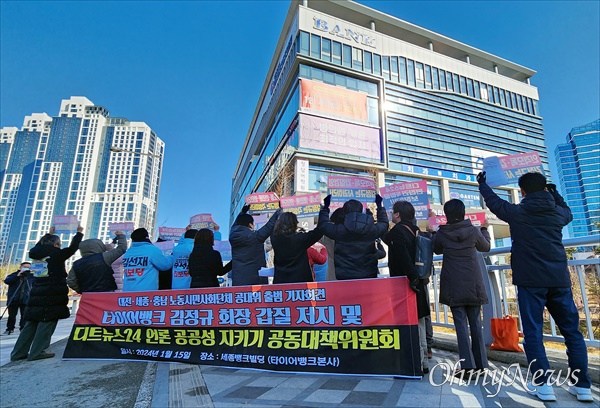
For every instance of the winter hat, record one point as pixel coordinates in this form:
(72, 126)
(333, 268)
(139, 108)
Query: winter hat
(140, 235)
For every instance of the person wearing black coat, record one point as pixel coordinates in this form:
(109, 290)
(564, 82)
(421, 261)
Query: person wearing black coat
(290, 246)
(540, 273)
(247, 248)
(19, 285)
(205, 264)
(401, 241)
(48, 298)
(461, 282)
(355, 252)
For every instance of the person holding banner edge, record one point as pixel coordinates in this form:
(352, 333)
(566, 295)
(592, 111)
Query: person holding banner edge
(541, 275)
(355, 252)
(48, 298)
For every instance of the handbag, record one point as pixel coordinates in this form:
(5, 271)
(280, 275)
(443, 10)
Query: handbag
(506, 334)
(423, 254)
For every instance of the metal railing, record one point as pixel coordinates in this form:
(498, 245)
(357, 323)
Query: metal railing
(585, 277)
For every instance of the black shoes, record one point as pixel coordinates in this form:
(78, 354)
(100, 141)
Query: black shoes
(8, 331)
(42, 356)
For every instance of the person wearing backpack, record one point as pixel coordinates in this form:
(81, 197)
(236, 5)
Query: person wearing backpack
(461, 282)
(401, 242)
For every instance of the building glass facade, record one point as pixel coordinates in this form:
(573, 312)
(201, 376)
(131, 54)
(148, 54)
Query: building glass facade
(64, 165)
(578, 162)
(359, 92)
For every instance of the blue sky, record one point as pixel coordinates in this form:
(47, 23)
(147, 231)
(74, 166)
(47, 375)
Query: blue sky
(193, 71)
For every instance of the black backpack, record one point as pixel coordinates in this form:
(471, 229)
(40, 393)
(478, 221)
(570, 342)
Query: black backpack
(423, 255)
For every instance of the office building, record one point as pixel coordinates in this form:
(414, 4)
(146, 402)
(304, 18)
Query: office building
(81, 162)
(354, 91)
(578, 162)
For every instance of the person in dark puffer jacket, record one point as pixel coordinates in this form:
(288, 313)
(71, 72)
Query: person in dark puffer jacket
(48, 298)
(93, 272)
(541, 275)
(355, 251)
(205, 263)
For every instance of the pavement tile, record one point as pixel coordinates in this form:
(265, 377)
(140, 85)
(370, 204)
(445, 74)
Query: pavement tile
(462, 401)
(419, 400)
(365, 398)
(299, 382)
(327, 396)
(217, 383)
(339, 384)
(267, 381)
(374, 385)
(247, 392)
(281, 394)
(420, 387)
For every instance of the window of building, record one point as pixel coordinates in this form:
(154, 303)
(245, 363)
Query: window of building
(326, 50)
(420, 75)
(315, 46)
(377, 64)
(385, 67)
(403, 79)
(470, 90)
(449, 82)
(428, 84)
(442, 80)
(435, 78)
(368, 62)
(411, 72)
(304, 45)
(347, 56)
(337, 53)
(357, 59)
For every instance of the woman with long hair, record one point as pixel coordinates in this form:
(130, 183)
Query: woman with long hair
(290, 245)
(206, 264)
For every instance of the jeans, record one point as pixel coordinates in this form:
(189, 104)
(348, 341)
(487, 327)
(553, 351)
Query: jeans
(471, 350)
(559, 302)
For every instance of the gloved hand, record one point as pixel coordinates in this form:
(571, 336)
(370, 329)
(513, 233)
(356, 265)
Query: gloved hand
(551, 188)
(327, 201)
(413, 286)
(245, 208)
(481, 178)
(378, 200)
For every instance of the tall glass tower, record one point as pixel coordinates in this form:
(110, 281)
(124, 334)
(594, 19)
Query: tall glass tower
(81, 162)
(578, 162)
(355, 91)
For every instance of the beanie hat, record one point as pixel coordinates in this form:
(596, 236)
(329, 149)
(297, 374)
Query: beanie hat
(140, 235)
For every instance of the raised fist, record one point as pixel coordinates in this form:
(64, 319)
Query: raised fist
(481, 179)
(378, 200)
(327, 201)
(245, 208)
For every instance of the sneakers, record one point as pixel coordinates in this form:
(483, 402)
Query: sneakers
(429, 353)
(582, 394)
(544, 392)
(42, 356)
(8, 331)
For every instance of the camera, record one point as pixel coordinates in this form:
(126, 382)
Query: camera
(25, 271)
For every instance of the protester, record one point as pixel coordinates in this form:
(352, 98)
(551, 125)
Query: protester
(401, 241)
(461, 282)
(48, 298)
(355, 256)
(317, 259)
(206, 264)
(19, 285)
(247, 248)
(93, 271)
(141, 263)
(290, 247)
(181, 278)
(540, 273)
(337, 217)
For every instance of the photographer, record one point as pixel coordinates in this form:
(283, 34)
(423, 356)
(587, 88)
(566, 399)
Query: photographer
(19, 285)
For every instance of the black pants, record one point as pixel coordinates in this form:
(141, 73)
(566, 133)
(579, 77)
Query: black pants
(13, 309)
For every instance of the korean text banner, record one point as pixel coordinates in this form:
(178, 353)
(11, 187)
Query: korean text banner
(302, 205)
(477, 219)
(262, 203)
(171, 234)
(200, 221)
(126, 227)
(339, 137)
(65, 224)
(344, 188)
(366, 327)
(413, 192)
(507, 169)
(333, 101)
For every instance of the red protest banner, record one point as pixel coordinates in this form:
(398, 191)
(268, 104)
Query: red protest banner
(365, 326)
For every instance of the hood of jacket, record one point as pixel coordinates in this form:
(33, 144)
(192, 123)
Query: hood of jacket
(42, 251)
(358, 223)
(540, 201)
(457, 232)
(91, 247)
(238, 232)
